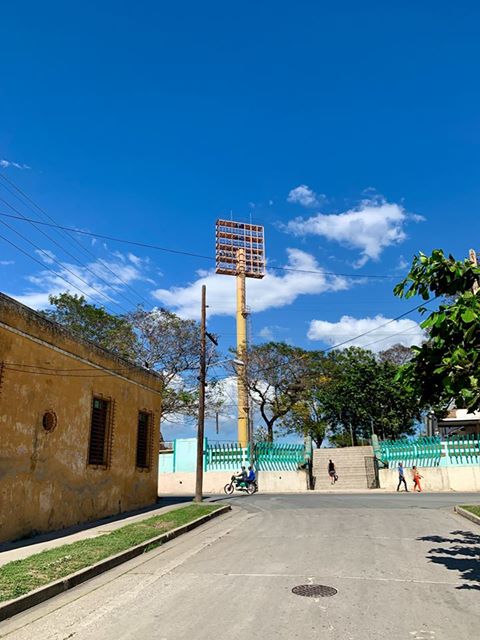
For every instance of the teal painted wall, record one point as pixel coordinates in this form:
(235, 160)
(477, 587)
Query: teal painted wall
(185, 454)
(165, 462)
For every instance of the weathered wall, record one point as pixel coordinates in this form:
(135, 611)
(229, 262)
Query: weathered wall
(214, 481)
(45, 481)
(436, 478)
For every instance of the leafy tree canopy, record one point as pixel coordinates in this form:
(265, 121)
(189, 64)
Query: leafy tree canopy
(92, 323)
(275, 380)
(447, 366)
(397, 354)
(157, 339)
(362, 396)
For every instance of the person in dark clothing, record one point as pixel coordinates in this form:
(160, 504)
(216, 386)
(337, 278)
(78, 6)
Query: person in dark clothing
(401, 477)
(331, 472)
(242, 477)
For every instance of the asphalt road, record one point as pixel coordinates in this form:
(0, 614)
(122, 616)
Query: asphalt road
(404, 567)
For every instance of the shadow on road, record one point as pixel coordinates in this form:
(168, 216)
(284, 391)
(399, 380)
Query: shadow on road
(462, 555)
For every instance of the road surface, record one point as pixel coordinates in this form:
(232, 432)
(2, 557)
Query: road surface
(404, 567)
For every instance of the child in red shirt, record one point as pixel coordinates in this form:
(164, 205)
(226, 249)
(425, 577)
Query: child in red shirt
(416, 479)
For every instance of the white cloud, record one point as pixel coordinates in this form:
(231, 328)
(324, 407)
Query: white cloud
(371, 227)
(272, 331)
(267, 333)
(274, 291)
(226, 389)
(4, 164)
(304, 196)
(402, 264)
(404, 331)
(45, 255)
(5, 263)
(95, 280)
(137, 261)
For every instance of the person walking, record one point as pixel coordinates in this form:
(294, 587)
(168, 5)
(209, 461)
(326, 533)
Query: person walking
(401, 477)
(416, 480)
(331, 472)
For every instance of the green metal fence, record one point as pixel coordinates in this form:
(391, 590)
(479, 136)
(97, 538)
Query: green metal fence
(278, 457)
(226, 456)
(267, 456)
(431, 451)
(463, 449)
(423, 452)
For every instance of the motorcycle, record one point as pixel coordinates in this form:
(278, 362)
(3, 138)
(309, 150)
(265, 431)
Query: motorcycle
(237, 484)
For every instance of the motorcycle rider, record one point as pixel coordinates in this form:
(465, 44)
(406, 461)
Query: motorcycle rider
(242, 477)
(251, 475)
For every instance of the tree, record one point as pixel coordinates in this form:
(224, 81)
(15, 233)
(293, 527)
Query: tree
(396, 409)
(275, 377)
(171, 346)
(397, 354)
(92, 323)
(157, 340)
(362, 397)
(260, 434)
(447, 366)
(306, 416)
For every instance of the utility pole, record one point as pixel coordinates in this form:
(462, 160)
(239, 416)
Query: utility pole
(201, 401)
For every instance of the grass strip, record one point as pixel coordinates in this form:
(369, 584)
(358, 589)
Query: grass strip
(475, 509)
(21, 576)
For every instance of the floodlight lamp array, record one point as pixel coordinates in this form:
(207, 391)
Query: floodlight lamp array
(233, 237)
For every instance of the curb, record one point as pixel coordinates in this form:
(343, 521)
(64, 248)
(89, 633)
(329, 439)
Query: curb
(466, 514)
(13, 607)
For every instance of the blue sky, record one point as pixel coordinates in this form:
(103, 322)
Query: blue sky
(350, 130)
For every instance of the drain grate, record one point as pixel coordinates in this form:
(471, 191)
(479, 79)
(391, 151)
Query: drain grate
(314, 590)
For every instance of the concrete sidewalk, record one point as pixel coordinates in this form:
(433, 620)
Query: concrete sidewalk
(19, 549)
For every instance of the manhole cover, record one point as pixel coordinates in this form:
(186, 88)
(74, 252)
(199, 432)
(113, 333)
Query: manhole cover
(314, 590)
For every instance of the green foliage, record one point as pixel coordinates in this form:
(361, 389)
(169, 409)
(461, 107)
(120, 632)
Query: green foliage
(276, 372)
(171, 346)
(157, 339)
(92, 323)
(475, 509)
(361, 396)
(345, 394)
(306, 416)
(21, 576)
(398, 354)
(261, 434)
(447, 366)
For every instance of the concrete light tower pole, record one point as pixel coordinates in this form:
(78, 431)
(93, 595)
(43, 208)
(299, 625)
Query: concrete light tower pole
(240, 252)
(242, 387)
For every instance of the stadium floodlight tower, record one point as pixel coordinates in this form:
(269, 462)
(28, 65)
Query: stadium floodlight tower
(240, 252)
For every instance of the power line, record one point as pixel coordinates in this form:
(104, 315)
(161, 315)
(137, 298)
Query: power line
(133, 365)
(147, 245)
(75, 275)
(341, 344)
(44, 266)
(84, 266)
(380, 326)
(65, 232)
(112, 238)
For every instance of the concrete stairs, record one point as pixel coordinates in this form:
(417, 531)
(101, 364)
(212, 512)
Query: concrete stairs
(353, 466)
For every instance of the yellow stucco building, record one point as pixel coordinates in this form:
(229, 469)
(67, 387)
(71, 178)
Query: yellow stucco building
(79, 427)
